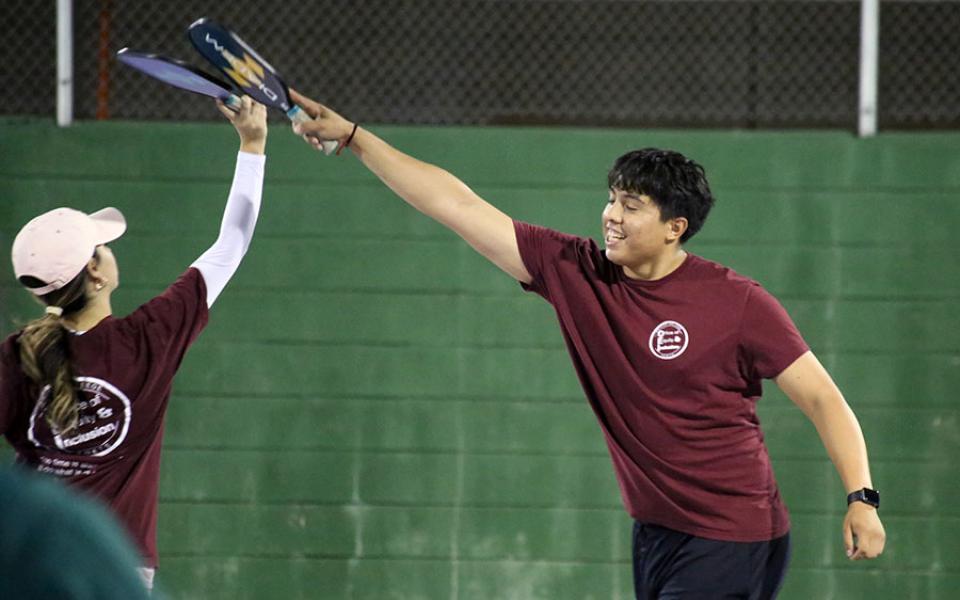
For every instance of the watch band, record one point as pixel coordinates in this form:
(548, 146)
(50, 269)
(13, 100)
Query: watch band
(865, 495)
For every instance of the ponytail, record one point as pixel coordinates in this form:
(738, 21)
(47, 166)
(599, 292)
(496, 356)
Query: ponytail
(45, 351)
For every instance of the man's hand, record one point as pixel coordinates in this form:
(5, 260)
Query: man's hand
(326, 124)
(862, 524)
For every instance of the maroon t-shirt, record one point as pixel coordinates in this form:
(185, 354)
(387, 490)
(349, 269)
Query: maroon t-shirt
(124, 370)
(673, 370)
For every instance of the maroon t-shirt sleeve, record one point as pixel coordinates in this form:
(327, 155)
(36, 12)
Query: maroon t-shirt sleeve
(769, 340)
(171, 322)
(540, 248)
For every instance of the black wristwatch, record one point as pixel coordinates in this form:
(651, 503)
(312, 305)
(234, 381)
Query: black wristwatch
(866, 495)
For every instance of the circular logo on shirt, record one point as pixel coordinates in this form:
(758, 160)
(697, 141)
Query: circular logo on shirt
(668, 340)
(103, 420)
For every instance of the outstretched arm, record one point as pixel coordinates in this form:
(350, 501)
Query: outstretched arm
(428, 188)
(220, 261)
(811, 388)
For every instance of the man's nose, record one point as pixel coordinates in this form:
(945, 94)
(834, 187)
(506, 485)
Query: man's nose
(614, 211)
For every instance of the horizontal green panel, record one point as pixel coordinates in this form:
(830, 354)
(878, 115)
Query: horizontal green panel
(866, 325)
(560, 428)
(559, 156)
(831, 217)
(265, 423)
(877, 272)
(521, 580)
(525, 534)
(868, 580)
(897, 379)
(895, 433)
(394, 478)
(413, 580)
(409, 478)
(408, 532)
(298, 530)
(234, 578)
(354, 318)
(212, 529)
(408, 424)
(562, 481)
(256, 476)
(244, 368)
(518, 373)
(299, 578)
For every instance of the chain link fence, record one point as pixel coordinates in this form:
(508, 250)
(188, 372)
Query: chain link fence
(706, 63)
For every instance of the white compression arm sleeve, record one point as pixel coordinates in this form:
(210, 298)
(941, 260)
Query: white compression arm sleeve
(220, 261)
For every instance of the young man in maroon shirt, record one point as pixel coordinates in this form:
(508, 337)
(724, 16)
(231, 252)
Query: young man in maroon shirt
(670, 349)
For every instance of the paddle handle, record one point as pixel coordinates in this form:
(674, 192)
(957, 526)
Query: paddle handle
(298, 115)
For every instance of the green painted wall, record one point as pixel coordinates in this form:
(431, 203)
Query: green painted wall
(375, 412)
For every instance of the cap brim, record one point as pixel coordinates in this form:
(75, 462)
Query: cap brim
(110, 224)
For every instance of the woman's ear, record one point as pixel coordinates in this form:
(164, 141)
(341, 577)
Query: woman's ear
(94, 276)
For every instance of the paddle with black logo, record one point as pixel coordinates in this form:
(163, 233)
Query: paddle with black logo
(247, 70)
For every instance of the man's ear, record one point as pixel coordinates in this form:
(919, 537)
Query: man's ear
(678, 226)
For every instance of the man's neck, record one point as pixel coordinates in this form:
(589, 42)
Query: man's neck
(657, 268)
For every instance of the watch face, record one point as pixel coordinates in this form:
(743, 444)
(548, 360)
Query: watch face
(871, 496)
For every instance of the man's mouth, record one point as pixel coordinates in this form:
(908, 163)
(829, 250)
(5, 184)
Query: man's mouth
(613, 236)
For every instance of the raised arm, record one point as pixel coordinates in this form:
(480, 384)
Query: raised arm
(220, 261)
(811, 388)
(428, 188)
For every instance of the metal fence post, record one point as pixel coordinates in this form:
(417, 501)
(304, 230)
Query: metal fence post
(64, 63)
(869, 43)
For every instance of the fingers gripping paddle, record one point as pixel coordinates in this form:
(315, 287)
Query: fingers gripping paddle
(247, 70)
(180, 75)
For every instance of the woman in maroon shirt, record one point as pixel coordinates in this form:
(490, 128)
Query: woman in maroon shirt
(82, 393)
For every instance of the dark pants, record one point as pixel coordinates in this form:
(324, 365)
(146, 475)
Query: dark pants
(671, 565)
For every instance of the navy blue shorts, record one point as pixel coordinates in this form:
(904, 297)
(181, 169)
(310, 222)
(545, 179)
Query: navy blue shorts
(670, 565)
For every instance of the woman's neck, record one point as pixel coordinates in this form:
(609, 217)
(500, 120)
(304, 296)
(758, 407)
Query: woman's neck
(96, 310)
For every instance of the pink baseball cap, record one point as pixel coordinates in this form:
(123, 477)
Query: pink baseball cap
(56, 246)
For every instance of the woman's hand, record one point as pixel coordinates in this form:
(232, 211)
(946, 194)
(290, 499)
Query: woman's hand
(250, 122)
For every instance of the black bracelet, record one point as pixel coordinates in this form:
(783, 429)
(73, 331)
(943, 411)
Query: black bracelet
(353, 132)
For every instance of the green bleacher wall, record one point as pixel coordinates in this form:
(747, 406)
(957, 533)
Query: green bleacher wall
(375, 412)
